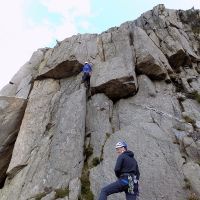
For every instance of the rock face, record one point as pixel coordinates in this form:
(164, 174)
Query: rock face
(145, 122)
(150, 59)
(48, 161)
(192, 173)
(115, 75)
(12, 111)
(145, 89)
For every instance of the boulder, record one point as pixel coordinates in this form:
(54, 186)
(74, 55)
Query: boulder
(67, 58)
(113, 79)
(150, 60)
(191, 148)
(192, 173)
(114, 74)
(191, 110)
(12, 111)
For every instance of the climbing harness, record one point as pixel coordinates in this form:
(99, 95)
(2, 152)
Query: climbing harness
(132, 183)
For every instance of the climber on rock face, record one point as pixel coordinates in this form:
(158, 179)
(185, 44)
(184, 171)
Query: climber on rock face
(87, 72)
(127, 172)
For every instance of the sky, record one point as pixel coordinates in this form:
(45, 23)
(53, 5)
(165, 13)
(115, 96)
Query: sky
(27, 25)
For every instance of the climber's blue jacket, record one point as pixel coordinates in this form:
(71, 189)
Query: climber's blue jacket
(87, 68)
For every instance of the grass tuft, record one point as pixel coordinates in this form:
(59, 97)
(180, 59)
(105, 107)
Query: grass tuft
(40, 196)
(61, 192)
(195, 95)
(88, 151)
(193, 196)
(189, 120)
(187, 185)
(95, 161)
(86, 193)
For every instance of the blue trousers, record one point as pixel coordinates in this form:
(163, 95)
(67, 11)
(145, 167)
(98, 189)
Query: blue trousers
(115, 187)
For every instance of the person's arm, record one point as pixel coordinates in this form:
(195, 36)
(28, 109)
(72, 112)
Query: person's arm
(118, 166)
(137, 172)
(90, 70)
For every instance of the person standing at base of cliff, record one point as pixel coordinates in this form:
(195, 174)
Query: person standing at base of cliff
(127, 172)
(87, 72)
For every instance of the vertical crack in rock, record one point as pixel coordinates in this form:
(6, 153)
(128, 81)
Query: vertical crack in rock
(100, 48)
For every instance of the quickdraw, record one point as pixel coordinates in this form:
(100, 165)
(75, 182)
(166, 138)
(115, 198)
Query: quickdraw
(130, 185)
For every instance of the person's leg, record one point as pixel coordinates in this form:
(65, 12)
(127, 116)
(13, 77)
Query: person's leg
(130, 196)
(110, 189)
(88, 81)
(83, 78)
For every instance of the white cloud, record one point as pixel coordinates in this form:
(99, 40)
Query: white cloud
(85, 25)
(67, 29)
(11, 39)
(69, 8)
(20, 36)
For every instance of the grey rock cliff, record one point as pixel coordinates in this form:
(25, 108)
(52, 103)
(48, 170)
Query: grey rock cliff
(12, 111)
(145, 89)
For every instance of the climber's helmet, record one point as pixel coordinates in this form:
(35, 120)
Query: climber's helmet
(121, 144)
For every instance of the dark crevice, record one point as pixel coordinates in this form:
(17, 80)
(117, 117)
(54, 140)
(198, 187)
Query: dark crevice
(101, 52)
(15, 171)
(86, 192)
(177, 83)
(5, 152)
(147, 72)
(180, 103)
(180, 59)
(131, 39)
(117, 88)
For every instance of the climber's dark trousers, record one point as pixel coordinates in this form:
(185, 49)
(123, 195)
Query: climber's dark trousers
(86, 79)
(115, 187)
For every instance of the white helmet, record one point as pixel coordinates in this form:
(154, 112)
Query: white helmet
(86, 62)
(121, 144)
